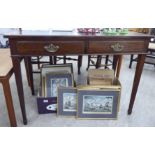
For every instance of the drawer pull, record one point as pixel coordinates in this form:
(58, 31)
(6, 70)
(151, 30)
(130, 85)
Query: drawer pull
(117, 47)
(51, 48)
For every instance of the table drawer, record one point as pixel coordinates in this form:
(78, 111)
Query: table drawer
(117, 46)
(50, 47)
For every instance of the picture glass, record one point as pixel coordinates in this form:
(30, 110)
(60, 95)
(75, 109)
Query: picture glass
(69, 101)
(94, 104)
(55, 83)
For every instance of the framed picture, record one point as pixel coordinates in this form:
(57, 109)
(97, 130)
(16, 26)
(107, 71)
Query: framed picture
(47, 105)
(98, 103)
(42, 93)
(53, 81)
(59, 68)
(100, 77)
(67, 101)
(54, 69)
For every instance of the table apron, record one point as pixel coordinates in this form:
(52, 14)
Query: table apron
(89, 47)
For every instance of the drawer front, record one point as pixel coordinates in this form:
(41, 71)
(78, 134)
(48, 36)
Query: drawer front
(117, 47)
(50, 47)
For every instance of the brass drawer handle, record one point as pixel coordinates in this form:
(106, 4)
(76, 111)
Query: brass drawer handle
(51, 48)
(117, 47)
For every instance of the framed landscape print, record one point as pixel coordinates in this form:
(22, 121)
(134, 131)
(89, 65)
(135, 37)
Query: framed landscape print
(99, 103)
(53, 81)
(67, 101)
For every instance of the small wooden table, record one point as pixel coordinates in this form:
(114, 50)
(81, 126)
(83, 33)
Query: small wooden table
(6, 71)
(44, 43)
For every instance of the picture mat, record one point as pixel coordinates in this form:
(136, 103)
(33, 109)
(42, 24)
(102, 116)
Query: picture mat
(60, 109)
(54, 77)
(113, 93)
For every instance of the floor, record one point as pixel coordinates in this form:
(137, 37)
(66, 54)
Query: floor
(143, 112)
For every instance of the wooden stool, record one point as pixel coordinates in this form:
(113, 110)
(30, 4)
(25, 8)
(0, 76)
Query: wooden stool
(116, 63)
(98, 58)
(150, 57)
(6, 71)
(65, 58)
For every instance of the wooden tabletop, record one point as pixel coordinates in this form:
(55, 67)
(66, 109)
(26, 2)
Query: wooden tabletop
(5, 62)
(43, 33)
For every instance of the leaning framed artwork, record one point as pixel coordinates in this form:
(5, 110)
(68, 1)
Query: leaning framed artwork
(59, 68)
(67, 101)
(53, 81)
(98, 103)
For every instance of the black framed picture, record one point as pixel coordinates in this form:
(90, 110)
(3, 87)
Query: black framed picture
(98, 103)
(53, 81)
(47, 105)
(67, 101)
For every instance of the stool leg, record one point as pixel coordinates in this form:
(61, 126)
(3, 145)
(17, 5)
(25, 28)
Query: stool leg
(38, 62)
(51, 60)
(9, 102)
(106, 61)
(98, 63)
(89, 57)
(55, 60)
(79, 63)
(131, 59)
(64, 59)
